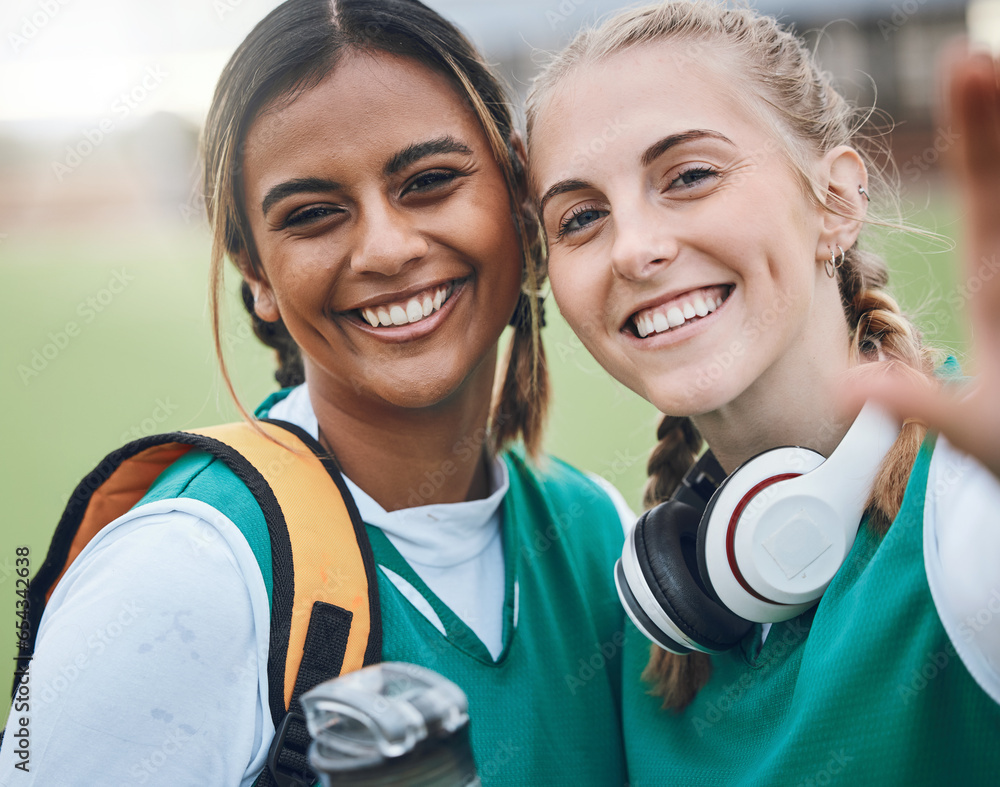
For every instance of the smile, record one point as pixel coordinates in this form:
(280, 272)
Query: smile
(414, 309)
(687, 308)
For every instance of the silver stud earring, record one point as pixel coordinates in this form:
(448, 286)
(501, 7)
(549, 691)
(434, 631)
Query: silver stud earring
(833, 263)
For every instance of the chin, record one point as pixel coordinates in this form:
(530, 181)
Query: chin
(415, 397)
(420, 394)
(693, 392)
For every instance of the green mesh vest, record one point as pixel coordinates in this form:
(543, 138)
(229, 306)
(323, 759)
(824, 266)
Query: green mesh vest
(546, 712)
(864, 689)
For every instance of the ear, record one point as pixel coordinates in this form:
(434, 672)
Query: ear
(843, 175)
(265, 305)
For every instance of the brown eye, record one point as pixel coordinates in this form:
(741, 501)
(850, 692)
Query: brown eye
(428, 181)
(309, 215)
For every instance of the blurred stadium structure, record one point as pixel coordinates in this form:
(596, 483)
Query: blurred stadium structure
(133, 158)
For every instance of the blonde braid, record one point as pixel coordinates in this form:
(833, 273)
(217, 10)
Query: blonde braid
(679, 444)
(675, 678)
(891, 342)
(787, 90)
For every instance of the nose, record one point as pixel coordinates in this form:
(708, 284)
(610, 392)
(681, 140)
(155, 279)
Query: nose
(387, 240)
(643, 242)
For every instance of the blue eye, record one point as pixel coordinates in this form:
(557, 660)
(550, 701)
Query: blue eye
(693, 176)
(580, 219)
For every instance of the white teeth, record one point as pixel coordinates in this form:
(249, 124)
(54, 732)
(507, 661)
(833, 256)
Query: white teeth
(650, 322)
(398, 315)
(675, 317)
(412, 311)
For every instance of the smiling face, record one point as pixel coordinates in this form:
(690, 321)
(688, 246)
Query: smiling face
(683, 246)
(384, 234)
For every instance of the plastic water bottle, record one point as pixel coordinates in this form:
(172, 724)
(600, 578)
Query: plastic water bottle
(390, 724)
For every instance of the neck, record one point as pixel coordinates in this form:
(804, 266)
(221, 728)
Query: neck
(741, 430)
(794, 403)
(407, 457)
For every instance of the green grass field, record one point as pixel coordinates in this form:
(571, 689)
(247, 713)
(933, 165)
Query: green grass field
(106, 338)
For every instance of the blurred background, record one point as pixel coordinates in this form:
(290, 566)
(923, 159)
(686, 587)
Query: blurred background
(104, 247)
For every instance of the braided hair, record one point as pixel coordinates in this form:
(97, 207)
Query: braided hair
(809, 117)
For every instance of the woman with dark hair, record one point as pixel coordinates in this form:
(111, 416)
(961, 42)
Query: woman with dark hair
(363, 173)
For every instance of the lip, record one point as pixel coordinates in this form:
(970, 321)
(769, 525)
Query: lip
(410, 331)
(661, 300)
(401, 295)
(680, 333)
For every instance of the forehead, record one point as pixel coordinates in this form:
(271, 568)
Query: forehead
(639, 95)
(368, 104)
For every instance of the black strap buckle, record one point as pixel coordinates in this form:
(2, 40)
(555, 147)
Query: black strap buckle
(283, 775)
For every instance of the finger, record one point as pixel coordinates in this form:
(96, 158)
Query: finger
(907, 399)
(975, 110)
(975, 117)
(968, 421)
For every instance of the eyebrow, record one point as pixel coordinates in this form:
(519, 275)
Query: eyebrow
(657, 149)
(419, 150)
(561, 188)
(401, 160)
(650, 155)
(297, 186)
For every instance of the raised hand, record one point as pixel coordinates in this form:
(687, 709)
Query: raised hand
(970, 418)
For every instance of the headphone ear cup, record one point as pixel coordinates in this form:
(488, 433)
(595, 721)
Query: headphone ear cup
(723, 519)
(706, 578)
(666, 547)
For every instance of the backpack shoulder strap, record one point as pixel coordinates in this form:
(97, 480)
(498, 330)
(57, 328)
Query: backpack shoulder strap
(325, 616)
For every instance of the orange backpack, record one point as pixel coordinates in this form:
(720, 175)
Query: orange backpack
(299, 519)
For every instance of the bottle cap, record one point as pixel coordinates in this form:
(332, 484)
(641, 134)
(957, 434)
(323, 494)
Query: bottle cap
(379, 713)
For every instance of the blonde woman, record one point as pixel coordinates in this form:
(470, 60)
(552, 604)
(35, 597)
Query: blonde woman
(708, 257)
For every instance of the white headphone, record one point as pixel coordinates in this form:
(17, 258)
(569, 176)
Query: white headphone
(770, 540)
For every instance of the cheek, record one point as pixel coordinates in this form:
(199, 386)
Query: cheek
(298, 287)
(566, 296)
(580, 295)
(493, 238)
